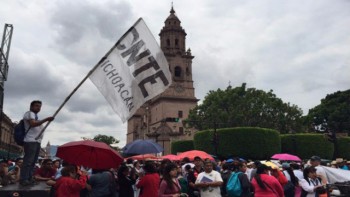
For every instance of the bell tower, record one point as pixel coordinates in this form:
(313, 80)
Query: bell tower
(160, 118)
(173, 44)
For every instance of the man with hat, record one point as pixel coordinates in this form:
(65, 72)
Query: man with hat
(341, 164)
(315, 161)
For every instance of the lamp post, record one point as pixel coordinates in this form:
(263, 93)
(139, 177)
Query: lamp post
(147, 123)
(294, 141)
(156, 135)
(215, 138)
(334, 140)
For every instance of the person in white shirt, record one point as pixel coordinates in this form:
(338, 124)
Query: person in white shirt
(209, 181)
(315, 161)
(297, 172)
(312, 182)
(32, 141)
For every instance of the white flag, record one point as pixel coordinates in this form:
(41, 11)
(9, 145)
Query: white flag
(134, 71)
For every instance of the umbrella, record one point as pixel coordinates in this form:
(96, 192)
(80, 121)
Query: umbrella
(191, 164)
(171, 157)
(88, 153)
(144, 157)
(193, 153)
(139, 147)
(285, 157)
(270, 164)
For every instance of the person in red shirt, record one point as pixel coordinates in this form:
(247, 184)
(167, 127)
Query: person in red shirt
(265, 185)
(67, 185)
(45, 172)
(56, 164)
(149, 183)
(279, 176)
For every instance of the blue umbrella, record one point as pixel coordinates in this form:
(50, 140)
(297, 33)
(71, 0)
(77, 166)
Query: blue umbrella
(140, 147)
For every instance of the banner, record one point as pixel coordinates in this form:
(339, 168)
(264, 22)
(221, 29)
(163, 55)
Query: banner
(336, 175)
(134, 71)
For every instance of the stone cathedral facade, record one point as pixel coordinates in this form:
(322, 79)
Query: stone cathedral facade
(160, 118)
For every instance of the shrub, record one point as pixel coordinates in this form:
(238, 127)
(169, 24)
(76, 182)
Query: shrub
(246, 142)
(344, 147)
(181, 146)
(306, 145)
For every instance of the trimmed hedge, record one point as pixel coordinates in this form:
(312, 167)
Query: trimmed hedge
(344, 147)
(181, 146)
(260, 143)
(202, 140)
(306, 145)
(246, 142)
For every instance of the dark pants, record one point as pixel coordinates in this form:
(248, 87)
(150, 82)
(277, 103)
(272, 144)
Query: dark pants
(31, 154)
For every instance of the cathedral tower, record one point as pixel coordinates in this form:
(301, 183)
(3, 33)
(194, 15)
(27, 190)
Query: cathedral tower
(160, 118)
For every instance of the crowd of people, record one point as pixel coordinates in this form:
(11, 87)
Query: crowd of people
(198, 178)
(204, 178)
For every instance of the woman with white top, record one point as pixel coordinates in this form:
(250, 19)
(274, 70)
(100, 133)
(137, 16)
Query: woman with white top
(312, 183)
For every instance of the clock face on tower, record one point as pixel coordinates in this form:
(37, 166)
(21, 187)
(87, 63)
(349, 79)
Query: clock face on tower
(179, 88)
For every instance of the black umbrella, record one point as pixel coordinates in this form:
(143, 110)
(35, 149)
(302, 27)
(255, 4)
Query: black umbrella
(139, 147)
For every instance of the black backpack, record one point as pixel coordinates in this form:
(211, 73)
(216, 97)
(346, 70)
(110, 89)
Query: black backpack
(289, 189)
(19, 133)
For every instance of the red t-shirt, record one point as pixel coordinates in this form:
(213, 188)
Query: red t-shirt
(272, 187)
(69, 187)
(149, 185)
(45, 173)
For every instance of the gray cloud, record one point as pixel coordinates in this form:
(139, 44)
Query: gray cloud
(86, 30)
(299, 49)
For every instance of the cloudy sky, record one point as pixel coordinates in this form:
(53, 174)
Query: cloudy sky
(299, 49)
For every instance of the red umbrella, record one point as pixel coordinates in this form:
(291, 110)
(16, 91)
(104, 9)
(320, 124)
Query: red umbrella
(144, 157)
(193, 153)
(285, 157)
(171, 157)
(88, 153)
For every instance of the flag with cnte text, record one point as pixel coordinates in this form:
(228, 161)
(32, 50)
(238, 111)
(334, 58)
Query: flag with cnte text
(134, 71)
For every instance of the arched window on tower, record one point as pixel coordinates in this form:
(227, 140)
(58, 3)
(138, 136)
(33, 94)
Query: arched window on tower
(168, 42)
(177, 71)
(176, 42)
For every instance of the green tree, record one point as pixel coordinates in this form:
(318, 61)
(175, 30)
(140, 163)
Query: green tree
(333, 113)
(242, 107)
(106, 139)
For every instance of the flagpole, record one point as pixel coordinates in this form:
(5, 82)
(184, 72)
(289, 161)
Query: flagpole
(87, 76)
(70, 95)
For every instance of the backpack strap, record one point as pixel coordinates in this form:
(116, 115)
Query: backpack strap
(177, 184)
(26, 132)
(36, 118)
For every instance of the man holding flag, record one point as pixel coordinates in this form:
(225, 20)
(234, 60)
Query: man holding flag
(132, 72)
(32, 142)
